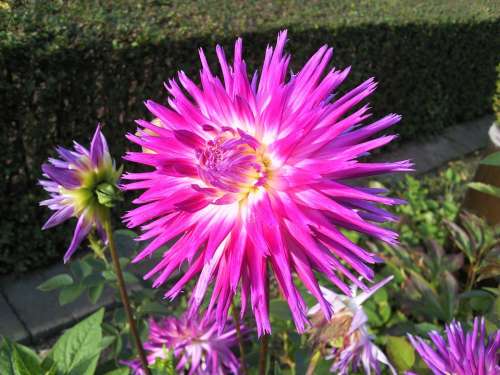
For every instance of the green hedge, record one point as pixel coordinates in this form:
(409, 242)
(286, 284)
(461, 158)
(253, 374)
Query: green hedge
(66, 65)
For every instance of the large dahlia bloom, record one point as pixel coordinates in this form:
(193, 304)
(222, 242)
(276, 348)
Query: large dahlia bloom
(460, 353)
(196, 344)
(81, 185)
(251, 178)
(344, 338)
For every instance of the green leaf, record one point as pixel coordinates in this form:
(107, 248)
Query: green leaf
(119, 371)
(81, 269)
(109, 275)
(77, 350)
(92, 280)
(19, 366)
(95, 292)
(18, 359)
(130, 278)
(493, 159)
(424, 328)
(278, 309)
(485, 188)
(30, 359)
(400, 352)
(152, 307)
(107, 341)
(6, 357)
(125, 242)
(70, 293)
(56, 282)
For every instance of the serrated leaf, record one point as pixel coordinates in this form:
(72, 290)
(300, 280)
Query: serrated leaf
(400, 352)
(78, 349)
(56, 282)
(70, 293)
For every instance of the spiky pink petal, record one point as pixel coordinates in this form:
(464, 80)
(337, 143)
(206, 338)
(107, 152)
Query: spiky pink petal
(252, 176)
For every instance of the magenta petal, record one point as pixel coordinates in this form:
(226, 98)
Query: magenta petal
(190, 139)
(251, 177)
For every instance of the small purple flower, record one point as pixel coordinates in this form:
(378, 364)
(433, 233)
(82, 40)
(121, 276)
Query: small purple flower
(196, 344)
(81, 184)
(461, 353)
(345, 338)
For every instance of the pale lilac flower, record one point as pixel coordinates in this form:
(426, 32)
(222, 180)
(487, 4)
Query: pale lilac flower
(78, 184)
(197, 345)
(461, 353)
(252, 177)
(345, 338)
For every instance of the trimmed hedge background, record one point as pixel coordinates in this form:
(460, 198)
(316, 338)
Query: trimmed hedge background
(65, 65)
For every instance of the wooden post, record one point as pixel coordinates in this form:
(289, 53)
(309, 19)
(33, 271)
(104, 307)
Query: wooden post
(485, 205)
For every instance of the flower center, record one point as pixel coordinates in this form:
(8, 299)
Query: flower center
(233, 162)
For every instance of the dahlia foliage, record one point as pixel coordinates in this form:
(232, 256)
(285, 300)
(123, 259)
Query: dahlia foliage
(81, 184)
(196, 344)
(344, 339)
(251, 176)
(461, 353)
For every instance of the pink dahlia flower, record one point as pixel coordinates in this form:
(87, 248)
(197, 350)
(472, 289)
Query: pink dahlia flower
(460, 353)
(196, 344)
(81, 185)
(250, 173)
(344, 339)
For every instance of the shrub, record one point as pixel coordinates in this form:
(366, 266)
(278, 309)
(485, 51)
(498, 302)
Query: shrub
(66, 65)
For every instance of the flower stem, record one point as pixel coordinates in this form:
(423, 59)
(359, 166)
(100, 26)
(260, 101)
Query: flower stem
(264, 344)
(264, 340)
(124, 296)
(313, 362)
(240, 339)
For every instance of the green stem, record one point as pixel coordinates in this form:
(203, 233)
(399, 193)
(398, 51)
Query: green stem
(124, 296)
(313, 362)
(236, 319)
